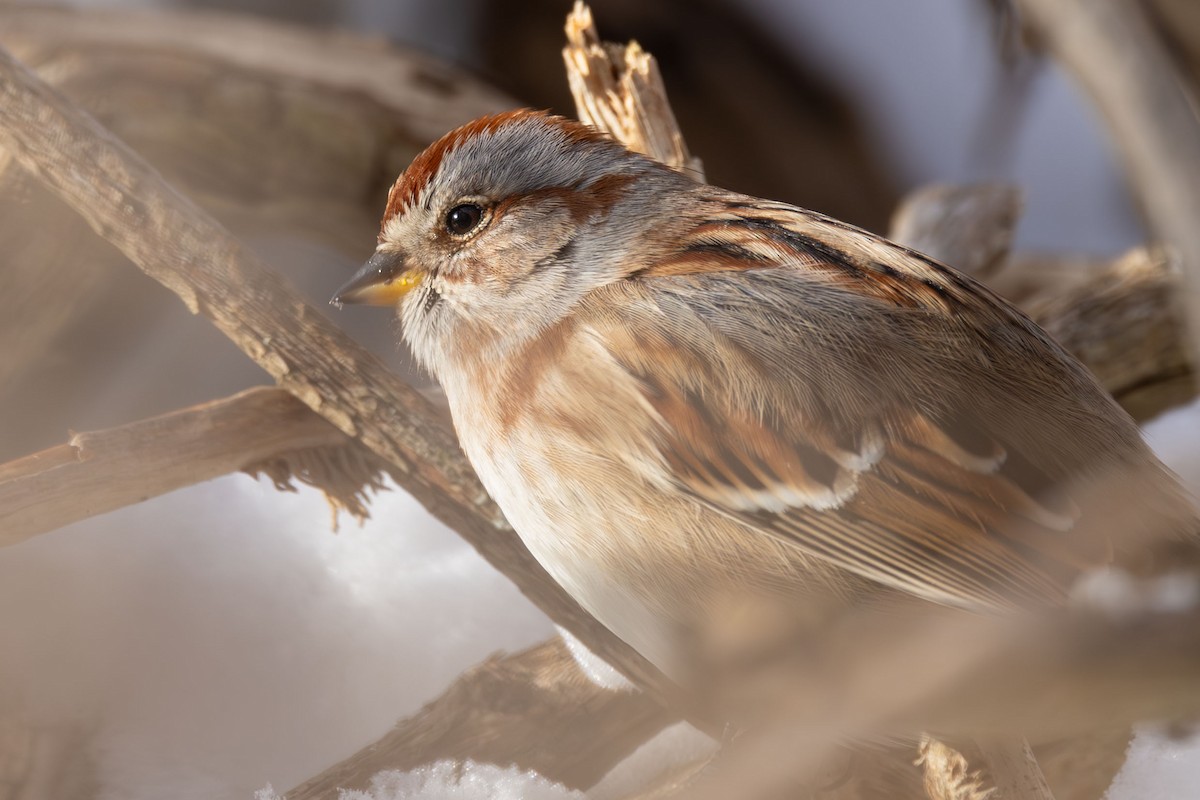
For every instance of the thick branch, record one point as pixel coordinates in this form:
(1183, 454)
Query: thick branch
(1123, 324)
(1119, 318)
(179, 245)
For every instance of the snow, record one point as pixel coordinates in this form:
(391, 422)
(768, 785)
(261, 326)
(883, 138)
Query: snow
(596, 669)
(1175, 437)
(451, 780)
(1157, 766)
(221, 637)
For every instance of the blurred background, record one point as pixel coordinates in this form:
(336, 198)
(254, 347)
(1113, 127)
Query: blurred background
(839, 107)
(151, 632)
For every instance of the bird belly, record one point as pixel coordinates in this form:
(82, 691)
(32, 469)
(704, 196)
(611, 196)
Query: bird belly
(659, 569)
(578, 538)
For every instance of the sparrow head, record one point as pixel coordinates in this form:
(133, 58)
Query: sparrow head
(497, 229)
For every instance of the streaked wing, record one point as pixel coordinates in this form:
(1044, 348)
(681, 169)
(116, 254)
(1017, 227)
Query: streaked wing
(847, 407)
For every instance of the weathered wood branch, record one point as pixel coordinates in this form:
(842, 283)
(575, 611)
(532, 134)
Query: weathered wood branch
(288, 135)
(176, 243)
(618, 88)
(1118, 317)
(99, 471)
(431, 94)
(1044, 678)
(425, 731)
(1124, 324)
(968, 227)
(1115, 54)
(533, 709)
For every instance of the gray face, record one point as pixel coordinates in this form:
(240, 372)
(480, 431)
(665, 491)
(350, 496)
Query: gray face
(504, 225)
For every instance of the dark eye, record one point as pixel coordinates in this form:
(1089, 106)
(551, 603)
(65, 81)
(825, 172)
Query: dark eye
(463, 219)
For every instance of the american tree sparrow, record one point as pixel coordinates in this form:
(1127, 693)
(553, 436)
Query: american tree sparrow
(683, 397)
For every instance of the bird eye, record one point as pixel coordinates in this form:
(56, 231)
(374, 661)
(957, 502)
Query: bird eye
(463, 219)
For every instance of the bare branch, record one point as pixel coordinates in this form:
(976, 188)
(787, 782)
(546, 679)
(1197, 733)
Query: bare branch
(968, 227)
(1115, 54)
(1118, 317)
(948, 773)
(179, 245)
(1123, 323)
(103, 470)
(1015, 770)
(533, 709)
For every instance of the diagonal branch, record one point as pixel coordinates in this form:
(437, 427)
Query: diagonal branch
(173, 241)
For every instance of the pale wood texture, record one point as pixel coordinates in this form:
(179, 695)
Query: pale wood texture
(1114, 53)
(289, 136)
(513, 709)
(618, 88)
(968, 227)
(1124, 323)
(186, 250)
(948, 774)
(1015, 770)
(770, 119)
(99, 471)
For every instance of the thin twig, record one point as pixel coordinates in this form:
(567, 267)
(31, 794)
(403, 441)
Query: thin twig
(103, 470)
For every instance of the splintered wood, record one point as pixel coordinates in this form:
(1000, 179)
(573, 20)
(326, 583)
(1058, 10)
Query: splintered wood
(534, 708)
(618, 89)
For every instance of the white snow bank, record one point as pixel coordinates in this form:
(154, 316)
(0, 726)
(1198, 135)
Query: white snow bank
(222, 636)
(1158, 767)
(450, 780)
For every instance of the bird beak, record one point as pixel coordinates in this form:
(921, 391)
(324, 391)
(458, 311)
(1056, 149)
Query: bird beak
(382, 281)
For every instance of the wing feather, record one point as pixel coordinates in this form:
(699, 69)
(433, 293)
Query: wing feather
(847, 408)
